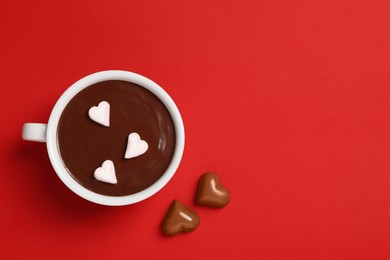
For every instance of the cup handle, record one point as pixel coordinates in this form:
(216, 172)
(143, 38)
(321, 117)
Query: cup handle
(34, 132)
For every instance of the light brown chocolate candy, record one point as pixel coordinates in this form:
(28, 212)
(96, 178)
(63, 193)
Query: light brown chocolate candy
(211, 192)
(179, 218)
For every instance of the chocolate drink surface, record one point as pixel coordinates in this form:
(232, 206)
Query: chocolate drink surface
(84, 145)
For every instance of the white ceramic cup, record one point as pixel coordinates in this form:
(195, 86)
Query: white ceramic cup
(48, 133)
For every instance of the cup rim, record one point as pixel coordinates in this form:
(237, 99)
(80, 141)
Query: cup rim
(52, 144)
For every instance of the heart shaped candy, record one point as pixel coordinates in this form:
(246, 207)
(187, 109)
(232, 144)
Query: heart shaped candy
(179, 218)
(211, 192)
(106, 173)
(100, 113)
(135, 146)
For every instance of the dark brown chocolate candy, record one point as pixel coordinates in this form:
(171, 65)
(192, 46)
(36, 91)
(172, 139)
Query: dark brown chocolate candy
(211, 192)
(179, 218)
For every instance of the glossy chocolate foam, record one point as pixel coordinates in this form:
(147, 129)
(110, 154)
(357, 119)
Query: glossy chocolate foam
(84, 145)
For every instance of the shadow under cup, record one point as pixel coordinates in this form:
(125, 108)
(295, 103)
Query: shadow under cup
(82, 145)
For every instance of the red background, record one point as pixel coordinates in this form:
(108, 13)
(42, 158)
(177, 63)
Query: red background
(288, 101)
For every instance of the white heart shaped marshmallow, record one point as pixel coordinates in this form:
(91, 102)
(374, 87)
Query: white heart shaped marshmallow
(100, 113)
(135, 146)
(106, 173)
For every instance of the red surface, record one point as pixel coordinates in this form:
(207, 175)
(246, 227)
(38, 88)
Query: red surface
(289, 101)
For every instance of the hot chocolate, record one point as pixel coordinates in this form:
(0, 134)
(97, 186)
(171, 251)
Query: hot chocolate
(84, 145)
